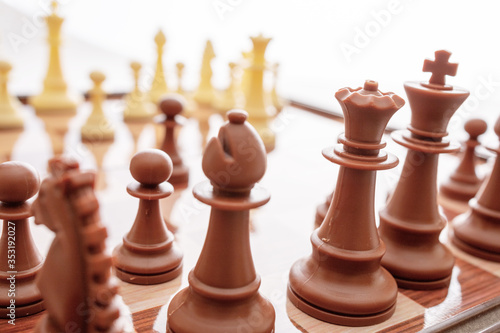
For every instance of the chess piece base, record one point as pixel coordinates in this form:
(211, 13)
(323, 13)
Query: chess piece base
(475, 251)
(414, 256)
(23, 311)
(338, 318)
(148, 279)
(149, 267)
(192, 313)
(477, 232)
(54, 103)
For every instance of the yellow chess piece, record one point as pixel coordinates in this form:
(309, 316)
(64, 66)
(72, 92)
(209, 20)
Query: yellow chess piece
(229, 99)
(137, 108)
(10, 117)
(205, 94)
(54, 97)
(180, 75)
(259, 112)
(245, 64)
(159, 84)
(276, 100)
(97, 127)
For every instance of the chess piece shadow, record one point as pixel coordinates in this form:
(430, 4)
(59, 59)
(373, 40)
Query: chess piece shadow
(21, 262)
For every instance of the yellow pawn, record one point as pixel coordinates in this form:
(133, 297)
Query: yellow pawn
(259, 112)
(205, 94)
(54, 98)
(10, 117)
(137, 108)
(159, 84)
(229, 99)
(97, 127)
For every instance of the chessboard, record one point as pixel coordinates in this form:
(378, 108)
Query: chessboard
(298, 178)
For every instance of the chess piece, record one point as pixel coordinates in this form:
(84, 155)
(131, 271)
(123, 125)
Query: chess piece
(171, 107)
(137, 108)
(75, 280)
(464, 183)
(342, 282)
(258, 110)
(223, 287)
(245, 76)
(205, 94)
(54, 98)
(411, 223)
(10, 117)
(478, 231)
(8, 138)
(159, 84)
(20, 261)
(322, 209)
(99, 149)
(229, 99)
(97, 126)
(276, 100)
(148, 254)
(180, 75)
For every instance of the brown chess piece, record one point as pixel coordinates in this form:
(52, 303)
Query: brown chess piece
(464, 183)
(322, 209)
(171, 107)
(148, 254)
(410, 224)
(75, 280)
(20, 260)
(478, 231)
(223, 293)
(342, 282)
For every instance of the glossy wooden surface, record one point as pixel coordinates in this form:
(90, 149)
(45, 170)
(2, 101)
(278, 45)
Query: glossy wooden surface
(298, 178)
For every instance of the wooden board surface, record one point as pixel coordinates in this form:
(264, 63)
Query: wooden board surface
(298, 178)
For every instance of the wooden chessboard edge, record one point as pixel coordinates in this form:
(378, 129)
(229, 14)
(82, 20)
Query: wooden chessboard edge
(480, 315)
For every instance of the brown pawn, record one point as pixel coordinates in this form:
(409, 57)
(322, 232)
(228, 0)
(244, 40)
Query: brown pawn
(342, 282)
(478, 231)
(75, 280)
(322, 209)
(172, 106)
(464, 183)
(148, 254)
(411, 223)
(20, 260)
(223, 293)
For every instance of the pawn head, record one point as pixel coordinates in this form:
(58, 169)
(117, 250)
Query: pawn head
(19, 181)
(151, 167)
